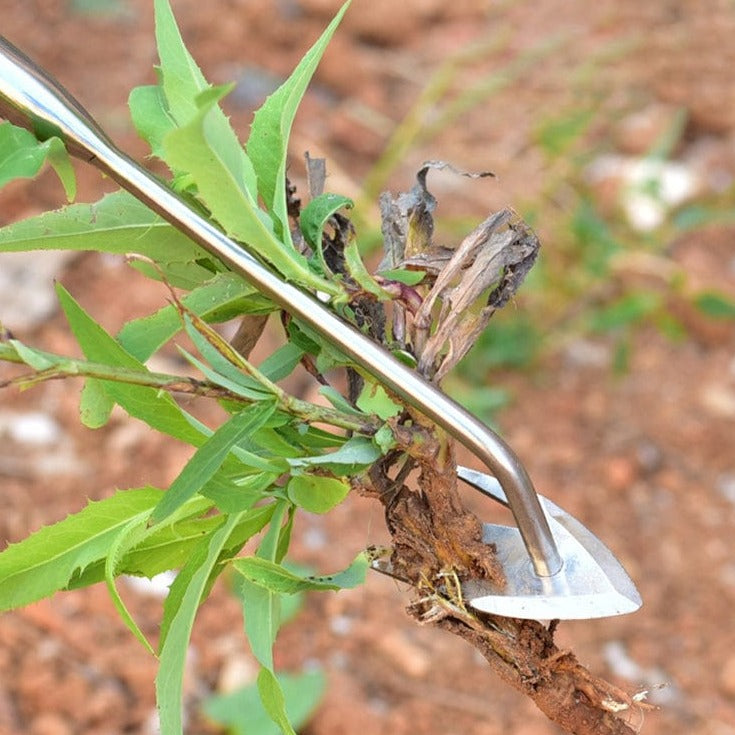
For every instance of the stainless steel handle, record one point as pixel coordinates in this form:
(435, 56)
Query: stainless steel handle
(30, 97)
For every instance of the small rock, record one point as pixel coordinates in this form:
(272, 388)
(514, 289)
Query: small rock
(583, 353)
(341, 625)
(34, 427)
(718, 400)
(650, 457)
(238, 671)
(620, 472)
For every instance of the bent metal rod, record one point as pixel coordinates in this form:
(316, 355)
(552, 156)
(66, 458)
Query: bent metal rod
(30, 97)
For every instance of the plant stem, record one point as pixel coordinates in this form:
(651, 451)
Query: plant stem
(64, 367)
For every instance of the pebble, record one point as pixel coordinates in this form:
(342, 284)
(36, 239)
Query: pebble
(718, 400)
(581, 353)
(341, 625)
(620, 472)
(238, 671)
(33, 427)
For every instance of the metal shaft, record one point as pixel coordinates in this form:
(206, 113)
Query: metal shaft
(30, 97)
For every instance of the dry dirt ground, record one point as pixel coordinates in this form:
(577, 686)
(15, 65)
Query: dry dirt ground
(645, 459)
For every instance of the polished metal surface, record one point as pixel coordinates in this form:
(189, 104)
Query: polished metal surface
(591, 584)
(30, 97)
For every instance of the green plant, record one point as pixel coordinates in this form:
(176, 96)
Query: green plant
(274, 453)
(231, 489)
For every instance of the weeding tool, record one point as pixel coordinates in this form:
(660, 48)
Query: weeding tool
(546, 577)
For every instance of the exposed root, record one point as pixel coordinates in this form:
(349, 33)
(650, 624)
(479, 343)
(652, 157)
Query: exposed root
(436, 545)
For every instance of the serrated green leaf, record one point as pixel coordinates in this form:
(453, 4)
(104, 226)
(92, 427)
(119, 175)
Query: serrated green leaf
(209, 458)
(150, 115)
(118, 223)
(274, 702)
(167, 547)
(242, 711)
(221, 298)
(267, 145)
(316, 494)
(46, 561)
(191, 149)
(280, 580)
(186, 275)
(179, 611)
(182, 83)
(22, 155)
(155, 408)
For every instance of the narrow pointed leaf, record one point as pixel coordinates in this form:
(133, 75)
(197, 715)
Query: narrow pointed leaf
(261, 607)
(129, 536)
(190, 148)
(278, 579)
(223, 297)
(210, 456)
(150, 115)
(242, 711)
(179, 612)
(356, 454)
(267, 145)
(117, 224)
(46, 561)
(156, 409)
(273, 700)
(182, 82)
